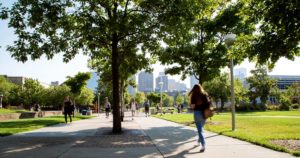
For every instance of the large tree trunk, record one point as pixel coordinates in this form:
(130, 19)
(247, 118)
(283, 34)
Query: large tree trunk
(222, 103)
(122, 100)
(116, 97)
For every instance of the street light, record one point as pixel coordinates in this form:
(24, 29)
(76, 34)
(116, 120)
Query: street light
(161, 85)
(229, 40)
(1, 96)
(98, 103)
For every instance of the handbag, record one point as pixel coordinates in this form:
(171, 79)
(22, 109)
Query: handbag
(209, 111)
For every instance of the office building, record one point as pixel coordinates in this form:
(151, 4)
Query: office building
(145, 82)
(193, 81)
(284, 81)
(164, 79)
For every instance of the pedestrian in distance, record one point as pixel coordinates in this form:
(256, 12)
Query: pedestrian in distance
(146, 107)
(107, 107)
(67, 110)
(199, 102)
(133, 107)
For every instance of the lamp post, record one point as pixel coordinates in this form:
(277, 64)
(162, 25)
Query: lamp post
(161, 85)
(229, 40)
(1, 96)
(98, 103)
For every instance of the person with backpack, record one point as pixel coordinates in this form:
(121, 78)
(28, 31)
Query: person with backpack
(146, 106)
(107, 107)
(67, 110)
(199, 103)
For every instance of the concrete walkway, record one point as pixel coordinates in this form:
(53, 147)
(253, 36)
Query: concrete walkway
(142, 137)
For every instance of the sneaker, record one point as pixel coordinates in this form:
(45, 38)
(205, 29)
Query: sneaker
(202, 149)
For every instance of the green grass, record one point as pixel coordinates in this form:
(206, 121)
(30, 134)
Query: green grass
(9, 111)
(257, 130)
(22, 125)
(269, 113)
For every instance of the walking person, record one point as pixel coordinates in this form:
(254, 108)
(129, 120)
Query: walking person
(107, 107)
(133, 107)
(146, 106)
(67, 109)
(199, 103)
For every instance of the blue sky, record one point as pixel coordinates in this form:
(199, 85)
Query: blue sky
(56, 70)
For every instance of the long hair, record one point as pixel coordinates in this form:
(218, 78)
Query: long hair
(197, 90)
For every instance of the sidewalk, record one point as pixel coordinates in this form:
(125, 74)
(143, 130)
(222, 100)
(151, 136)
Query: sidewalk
(142, 137)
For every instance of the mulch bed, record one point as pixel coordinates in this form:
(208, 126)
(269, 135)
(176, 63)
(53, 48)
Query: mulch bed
(293, 145)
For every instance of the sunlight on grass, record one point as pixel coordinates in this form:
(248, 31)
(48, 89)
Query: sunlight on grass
(257, 130)
(22, 125)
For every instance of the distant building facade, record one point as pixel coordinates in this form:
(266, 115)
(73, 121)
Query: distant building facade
(145, 81)
(19, 80)
(164, 79)
(284, 81)
(54, 83)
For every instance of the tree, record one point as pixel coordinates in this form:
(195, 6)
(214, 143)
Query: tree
(240, 92)
(140, 98)
(196, 42)
(93, 27)
(32, 92)
(86, 97)
(5, 89)
(77, 83)
(154, 98)
(218, 89)
(278, 33)
(179, 99)
(168, 100)
(55, 95)
(260, 85)
(293, 92)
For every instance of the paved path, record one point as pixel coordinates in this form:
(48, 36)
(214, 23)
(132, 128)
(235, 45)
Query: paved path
(142, 137)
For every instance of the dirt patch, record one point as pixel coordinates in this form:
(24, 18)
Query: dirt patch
(293, 145)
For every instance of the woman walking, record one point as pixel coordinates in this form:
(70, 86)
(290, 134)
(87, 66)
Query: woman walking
(68, 108)
(199, 103)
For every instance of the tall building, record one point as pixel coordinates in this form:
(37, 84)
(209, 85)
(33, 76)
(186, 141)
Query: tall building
(54, 83)
(132, 90)
(193, 81)
(93, 81)
(175, 86)
(145, 82)
(172, 85)
(284, 81)
(164, 79)
(241, 74)
(19, 80)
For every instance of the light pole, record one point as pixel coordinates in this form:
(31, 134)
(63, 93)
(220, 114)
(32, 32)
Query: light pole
(161, 85)
(229, 40)
(1, 96)
(98, 103)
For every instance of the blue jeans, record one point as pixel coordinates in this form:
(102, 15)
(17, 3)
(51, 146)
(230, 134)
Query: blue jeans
(199, 121)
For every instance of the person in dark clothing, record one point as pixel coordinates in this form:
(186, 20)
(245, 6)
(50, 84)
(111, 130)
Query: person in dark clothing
(199, 103)
(68, 109)
(146, 106)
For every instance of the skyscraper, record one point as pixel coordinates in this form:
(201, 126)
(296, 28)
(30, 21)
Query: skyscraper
(145, 82)
(164, 79)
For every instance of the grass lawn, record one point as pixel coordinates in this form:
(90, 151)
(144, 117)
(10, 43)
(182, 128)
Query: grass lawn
(268, 113)
(9, 111)
(257, 130)
(22, 125)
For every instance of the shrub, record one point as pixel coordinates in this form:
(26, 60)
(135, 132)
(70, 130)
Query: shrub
(295, 106)
(285, 103)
